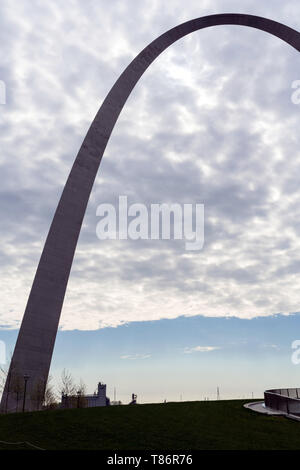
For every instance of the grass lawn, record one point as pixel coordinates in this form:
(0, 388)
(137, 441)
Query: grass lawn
(207, 425)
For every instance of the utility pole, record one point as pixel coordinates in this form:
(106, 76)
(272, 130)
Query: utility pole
(218, 393)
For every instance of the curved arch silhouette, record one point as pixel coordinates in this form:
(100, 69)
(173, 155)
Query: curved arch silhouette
(35, 343)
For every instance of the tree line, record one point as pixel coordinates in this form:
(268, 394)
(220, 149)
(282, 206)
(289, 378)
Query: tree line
(44, 391)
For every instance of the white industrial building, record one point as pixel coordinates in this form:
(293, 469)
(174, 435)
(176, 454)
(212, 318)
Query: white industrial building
(86, 401)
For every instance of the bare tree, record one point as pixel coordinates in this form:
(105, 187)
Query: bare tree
(68, 390)
(67, 385)
(81, 391)
(3, 375)
(49, 397)
(15, 385)
(81, 387)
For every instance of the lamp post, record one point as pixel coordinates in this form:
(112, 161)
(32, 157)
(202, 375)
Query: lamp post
(26, 377)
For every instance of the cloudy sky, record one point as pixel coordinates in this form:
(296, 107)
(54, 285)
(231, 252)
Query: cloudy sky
(211, 122)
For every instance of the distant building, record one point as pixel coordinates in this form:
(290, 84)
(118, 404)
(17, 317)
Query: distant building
(86, 401)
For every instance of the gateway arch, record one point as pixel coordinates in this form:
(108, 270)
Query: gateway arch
(34, 347)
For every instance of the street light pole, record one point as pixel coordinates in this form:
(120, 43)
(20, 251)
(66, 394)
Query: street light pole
(26, 377)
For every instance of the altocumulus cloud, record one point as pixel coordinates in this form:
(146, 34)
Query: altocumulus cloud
(200, 349)
(135, 356)
(210, 122)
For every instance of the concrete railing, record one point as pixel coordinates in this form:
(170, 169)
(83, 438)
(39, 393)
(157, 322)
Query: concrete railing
(283, 399)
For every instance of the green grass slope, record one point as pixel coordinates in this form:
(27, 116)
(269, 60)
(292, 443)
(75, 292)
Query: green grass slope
(208, 425)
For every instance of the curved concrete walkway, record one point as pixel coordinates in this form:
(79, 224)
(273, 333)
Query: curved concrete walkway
(259, 407)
